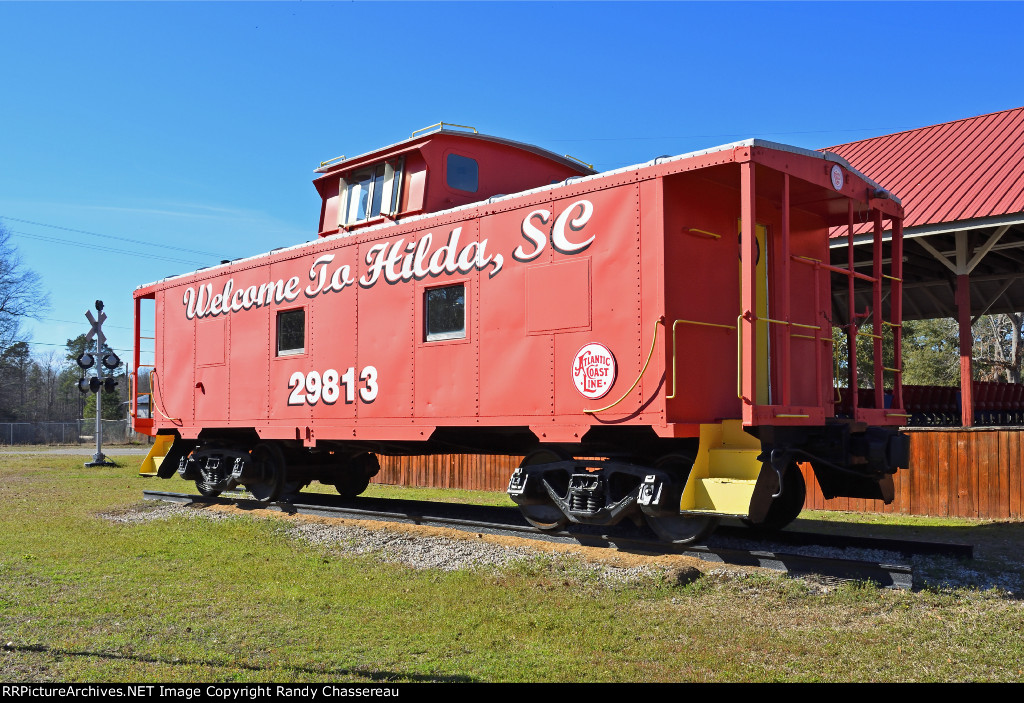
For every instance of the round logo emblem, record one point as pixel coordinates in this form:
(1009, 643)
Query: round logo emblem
(837, 177)
(593, 370)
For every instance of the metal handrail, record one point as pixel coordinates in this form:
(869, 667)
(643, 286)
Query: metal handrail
(686, 322)
(570, 156)
(694, 230)
(784, 322)
(442, 125)
(835, 269)
(739, 357)
(152, 397)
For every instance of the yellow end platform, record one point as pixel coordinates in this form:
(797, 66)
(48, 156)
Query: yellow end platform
(161, 445)
(724, 473)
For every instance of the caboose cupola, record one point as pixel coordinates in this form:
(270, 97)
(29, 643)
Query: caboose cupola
(442, 167)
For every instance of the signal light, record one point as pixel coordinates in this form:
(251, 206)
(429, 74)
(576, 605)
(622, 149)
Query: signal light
(109, 384)
(85, 361)
(111, 360)
(87, 385)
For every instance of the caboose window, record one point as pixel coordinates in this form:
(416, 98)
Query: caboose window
(446, 312)
(463, 173)
(291, 332)
(370, 192)
(358, 196)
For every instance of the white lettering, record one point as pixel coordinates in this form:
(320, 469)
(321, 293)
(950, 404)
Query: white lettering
(422, 247)
(558, 239)
(534, 235)
(375, 258)
(321, 277)
(342, 277)
(399, 261)
(202, 299)
(249, 299)
(310, 388)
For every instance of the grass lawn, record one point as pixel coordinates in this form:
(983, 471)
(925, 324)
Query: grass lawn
(185, 598)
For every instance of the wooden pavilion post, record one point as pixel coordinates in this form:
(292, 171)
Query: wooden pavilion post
(963, 310)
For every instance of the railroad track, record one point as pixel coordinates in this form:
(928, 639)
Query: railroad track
(728, 545)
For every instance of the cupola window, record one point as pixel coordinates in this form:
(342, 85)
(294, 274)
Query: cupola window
(370, 193)
(462, 173)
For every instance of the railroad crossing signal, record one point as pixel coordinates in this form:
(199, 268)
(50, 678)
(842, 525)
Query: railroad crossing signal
(97, 384)
(97, 324)
(87, 359)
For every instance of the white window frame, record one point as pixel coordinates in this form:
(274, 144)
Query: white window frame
(390, 186)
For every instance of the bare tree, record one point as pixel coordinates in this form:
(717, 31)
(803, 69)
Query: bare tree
(21, 291)
(997, 347)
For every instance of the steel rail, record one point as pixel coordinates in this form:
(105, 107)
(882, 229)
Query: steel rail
(508, 521)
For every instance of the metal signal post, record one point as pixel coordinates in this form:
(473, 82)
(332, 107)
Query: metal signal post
(98, 384)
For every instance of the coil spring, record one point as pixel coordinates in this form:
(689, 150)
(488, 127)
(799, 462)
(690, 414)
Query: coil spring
(587, 503)
(212, 470)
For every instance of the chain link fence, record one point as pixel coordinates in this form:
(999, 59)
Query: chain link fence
(73, 432)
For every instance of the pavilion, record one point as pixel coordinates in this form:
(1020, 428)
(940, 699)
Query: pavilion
(962, 187)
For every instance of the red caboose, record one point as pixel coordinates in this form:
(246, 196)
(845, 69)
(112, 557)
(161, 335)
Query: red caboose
(670, 322)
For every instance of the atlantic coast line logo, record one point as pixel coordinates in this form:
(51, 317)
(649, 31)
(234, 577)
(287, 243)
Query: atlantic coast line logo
(399, 261)
(593, 370)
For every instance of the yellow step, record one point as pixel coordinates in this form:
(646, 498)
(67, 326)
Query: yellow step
(157, 452)
(733, 462)
(728, 496)
(734, 436)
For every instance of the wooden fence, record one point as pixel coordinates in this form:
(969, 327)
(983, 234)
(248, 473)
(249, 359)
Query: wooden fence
(955, 472)
(480, 472)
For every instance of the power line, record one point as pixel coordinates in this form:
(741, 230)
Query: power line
(79, 322)
(111, 236)
(54, 344)
(95, 247)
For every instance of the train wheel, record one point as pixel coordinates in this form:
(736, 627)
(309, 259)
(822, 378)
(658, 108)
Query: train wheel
(291, 489)
(207, 490)
(680, 529)
(272, 459)
(786, 507)
(544, 516)
(350, 487)
(356, 474)
(207, 483)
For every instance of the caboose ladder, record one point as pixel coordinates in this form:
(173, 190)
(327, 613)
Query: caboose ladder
(724, 473)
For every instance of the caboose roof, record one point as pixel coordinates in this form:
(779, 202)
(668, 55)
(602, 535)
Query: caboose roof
(418, 140)
(411, 143)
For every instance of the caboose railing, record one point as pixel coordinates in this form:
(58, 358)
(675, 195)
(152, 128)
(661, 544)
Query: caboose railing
(762, 400)
(134, 393)
(675, 324)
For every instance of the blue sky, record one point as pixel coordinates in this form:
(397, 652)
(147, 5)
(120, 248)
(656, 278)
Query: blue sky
(184, 133)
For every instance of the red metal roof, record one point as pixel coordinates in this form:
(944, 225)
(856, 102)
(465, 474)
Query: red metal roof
(962, 170)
